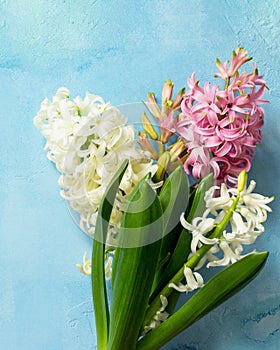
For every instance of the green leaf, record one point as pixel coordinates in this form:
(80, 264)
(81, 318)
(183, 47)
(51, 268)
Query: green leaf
(198, 204)
(99, 292)
(178, 258)
(117, 251)
(221, 287)
(174, 197)
(135, 266)
(182, 249)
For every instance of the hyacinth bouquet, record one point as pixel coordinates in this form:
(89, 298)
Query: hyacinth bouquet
(163, 202)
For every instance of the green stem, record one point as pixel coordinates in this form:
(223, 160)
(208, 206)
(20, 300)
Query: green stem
(161, 148)
(227, 83)
(99, 292)
(191, 263)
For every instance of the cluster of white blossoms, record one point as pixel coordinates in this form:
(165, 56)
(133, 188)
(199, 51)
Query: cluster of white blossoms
(243, 228)
(88, 140)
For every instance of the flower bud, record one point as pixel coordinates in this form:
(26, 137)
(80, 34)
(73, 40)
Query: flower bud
(242, 180)
(176, 150)
(162, 163)
(146, 145)
(152, 106)
(167, 90)
(148, 127)
(178, 99)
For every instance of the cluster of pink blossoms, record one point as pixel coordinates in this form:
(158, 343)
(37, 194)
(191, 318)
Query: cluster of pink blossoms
(221, 127)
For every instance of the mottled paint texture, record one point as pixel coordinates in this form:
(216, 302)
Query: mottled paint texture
(120, 50)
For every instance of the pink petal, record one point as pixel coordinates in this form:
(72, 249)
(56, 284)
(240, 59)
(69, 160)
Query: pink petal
(226, 147)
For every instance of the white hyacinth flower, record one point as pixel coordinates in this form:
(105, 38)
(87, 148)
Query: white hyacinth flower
(231, 254)
(88, 140)
(159, 317)
(244, 226)
(215, 204)
(194, 281)
(256, 203)
(85, 268)
(198, 228)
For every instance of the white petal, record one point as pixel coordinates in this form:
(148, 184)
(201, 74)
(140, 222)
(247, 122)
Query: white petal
(179, 288)
(185, 224)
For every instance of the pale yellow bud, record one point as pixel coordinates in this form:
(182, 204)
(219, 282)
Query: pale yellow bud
(162, 163)
(242, 180)
(148, 127)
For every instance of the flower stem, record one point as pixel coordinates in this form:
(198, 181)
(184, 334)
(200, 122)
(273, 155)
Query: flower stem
(161, 148)
(227, 81)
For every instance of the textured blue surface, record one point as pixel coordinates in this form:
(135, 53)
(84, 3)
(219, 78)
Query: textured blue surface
(120, 50)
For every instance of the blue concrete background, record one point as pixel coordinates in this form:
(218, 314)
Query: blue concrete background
(120, 50)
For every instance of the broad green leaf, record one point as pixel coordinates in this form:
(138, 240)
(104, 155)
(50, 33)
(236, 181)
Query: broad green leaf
(221, 287)
(134, 269)
(197, 207)
(117, 251)
(174, 197)
(178, 258)
(99, 293)
(181, 252)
